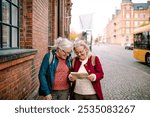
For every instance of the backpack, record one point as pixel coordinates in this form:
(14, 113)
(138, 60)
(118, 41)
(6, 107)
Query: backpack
(92, 60)
(51, 57)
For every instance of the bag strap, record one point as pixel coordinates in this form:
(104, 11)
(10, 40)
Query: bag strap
(51, 57)
(93, 60)
(73, 62)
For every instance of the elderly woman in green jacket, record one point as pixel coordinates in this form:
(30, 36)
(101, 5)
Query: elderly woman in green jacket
(53, 76)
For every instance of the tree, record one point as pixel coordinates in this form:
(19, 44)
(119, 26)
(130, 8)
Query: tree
(73, 35)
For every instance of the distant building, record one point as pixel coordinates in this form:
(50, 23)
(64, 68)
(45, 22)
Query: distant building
(119, 29)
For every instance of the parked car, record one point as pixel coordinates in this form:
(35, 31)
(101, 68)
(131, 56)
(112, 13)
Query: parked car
(129, 46)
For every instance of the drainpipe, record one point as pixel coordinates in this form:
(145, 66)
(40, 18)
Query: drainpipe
(59, 18)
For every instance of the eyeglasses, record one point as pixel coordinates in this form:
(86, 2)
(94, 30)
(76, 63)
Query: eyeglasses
(80, 52)
(67, 53)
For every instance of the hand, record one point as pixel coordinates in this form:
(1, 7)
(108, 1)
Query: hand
(91, 77)
(48, 97)
(72, 78)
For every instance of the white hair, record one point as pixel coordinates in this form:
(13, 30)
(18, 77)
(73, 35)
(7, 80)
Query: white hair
(80, 42)
(63, 43)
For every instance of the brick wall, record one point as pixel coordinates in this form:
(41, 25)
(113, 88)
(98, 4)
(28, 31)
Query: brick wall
(19, 68)
(26, 24)
(16, 79)
(53, 21)
(40, 31)
(19, 72)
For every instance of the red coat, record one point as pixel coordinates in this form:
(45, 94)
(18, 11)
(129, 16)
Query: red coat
(97, 70)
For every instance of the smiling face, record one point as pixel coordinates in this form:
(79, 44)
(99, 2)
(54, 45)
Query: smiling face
(63, 53)
(81, 52)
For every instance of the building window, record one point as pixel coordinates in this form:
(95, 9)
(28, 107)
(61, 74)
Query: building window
(136, 15)
(136, 23)
(127, 24)
(140, 7)
(141, 15)
(127, 31)
(9, 24)
(127, 16)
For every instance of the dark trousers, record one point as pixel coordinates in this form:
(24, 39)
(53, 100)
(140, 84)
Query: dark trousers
(60, 94)
(85, 97)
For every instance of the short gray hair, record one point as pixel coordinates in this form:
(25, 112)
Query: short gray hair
(80, 42)
(63, 43)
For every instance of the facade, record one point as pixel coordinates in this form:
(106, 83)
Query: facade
(27, 29)
(120, 28)
(60, 19)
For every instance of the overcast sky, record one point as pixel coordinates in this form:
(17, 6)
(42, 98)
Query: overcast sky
(102, 11)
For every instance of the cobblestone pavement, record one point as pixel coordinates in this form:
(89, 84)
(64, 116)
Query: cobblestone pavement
(125, 78)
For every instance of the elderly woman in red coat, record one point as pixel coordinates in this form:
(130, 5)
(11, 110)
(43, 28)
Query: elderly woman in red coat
(85, 87)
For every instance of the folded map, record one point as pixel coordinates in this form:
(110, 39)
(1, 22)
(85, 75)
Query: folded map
(79, 75)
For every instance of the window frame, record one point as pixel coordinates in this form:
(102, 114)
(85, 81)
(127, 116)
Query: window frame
(142, 40)
(0, 25)
(10, 25)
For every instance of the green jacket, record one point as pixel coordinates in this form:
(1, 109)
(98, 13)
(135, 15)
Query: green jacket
(47, 73)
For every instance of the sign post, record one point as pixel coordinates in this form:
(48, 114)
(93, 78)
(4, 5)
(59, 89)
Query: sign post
(86, 25)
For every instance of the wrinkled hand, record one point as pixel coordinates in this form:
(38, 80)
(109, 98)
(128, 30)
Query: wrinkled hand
(91, 77)
(48, 97)
(72, 78)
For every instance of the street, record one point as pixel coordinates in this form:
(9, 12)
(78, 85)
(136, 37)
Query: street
(125, 78)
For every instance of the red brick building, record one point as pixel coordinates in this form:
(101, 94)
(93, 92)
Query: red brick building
(27, 29)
